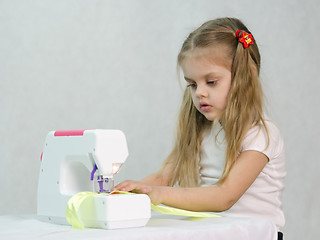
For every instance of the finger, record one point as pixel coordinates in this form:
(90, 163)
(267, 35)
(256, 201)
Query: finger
(132, 186)
(142, 189)
(123, 184)
(127, 186)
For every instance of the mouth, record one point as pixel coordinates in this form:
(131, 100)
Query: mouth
(205, 106)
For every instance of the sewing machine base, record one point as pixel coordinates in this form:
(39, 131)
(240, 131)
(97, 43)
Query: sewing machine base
(111, 212)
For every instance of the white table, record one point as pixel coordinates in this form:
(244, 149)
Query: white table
(159, 227)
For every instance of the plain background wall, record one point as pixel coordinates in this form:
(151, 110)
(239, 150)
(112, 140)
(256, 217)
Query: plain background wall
(77, 64)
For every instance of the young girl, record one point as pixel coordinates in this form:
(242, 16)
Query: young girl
(228, 156)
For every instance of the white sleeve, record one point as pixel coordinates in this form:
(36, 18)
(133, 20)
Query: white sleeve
(257, 139)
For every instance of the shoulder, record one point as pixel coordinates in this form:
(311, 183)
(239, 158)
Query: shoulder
(266, 140)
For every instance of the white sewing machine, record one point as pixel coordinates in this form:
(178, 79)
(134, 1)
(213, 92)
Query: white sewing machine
(86, 160)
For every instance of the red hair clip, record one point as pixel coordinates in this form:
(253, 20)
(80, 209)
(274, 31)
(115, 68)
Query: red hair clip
(245, 38)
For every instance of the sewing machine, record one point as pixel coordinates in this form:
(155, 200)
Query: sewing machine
(87, 160)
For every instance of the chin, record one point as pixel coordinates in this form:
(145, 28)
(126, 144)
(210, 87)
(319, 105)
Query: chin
(209, 117)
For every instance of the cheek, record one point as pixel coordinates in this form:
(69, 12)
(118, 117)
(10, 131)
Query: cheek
(221, 99)
(225, 102)
(225, 93)
(194, 99)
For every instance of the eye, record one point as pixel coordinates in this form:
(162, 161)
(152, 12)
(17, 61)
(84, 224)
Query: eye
(212, 82)
(192, 85)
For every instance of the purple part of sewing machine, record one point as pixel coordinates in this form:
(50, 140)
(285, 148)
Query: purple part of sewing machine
(93, 172)
(105, 184)
(102, 181)
(101, 188)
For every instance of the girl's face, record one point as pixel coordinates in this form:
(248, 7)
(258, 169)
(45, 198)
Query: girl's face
(209, 83)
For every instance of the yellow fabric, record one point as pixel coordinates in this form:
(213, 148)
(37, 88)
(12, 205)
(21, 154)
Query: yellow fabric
(181, 212)
(74, 203)
(73, 206)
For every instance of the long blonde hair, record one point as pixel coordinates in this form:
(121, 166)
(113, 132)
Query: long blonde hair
(244, 107)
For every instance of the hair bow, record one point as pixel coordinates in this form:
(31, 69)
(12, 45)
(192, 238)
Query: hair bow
(245, 38)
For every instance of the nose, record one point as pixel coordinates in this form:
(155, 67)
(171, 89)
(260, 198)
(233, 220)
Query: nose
(201, 91)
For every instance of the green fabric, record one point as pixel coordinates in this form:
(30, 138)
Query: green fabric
(74, 203)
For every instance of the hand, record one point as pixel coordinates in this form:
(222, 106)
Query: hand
(139, 187)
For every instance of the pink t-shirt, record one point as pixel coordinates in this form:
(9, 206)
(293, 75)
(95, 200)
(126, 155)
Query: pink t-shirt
(263, 198)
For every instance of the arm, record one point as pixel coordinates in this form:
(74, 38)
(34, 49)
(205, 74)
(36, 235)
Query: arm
(214, 198)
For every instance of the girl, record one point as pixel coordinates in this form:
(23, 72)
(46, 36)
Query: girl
(228, 157)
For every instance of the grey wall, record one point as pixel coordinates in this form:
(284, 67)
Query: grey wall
(76, 64)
